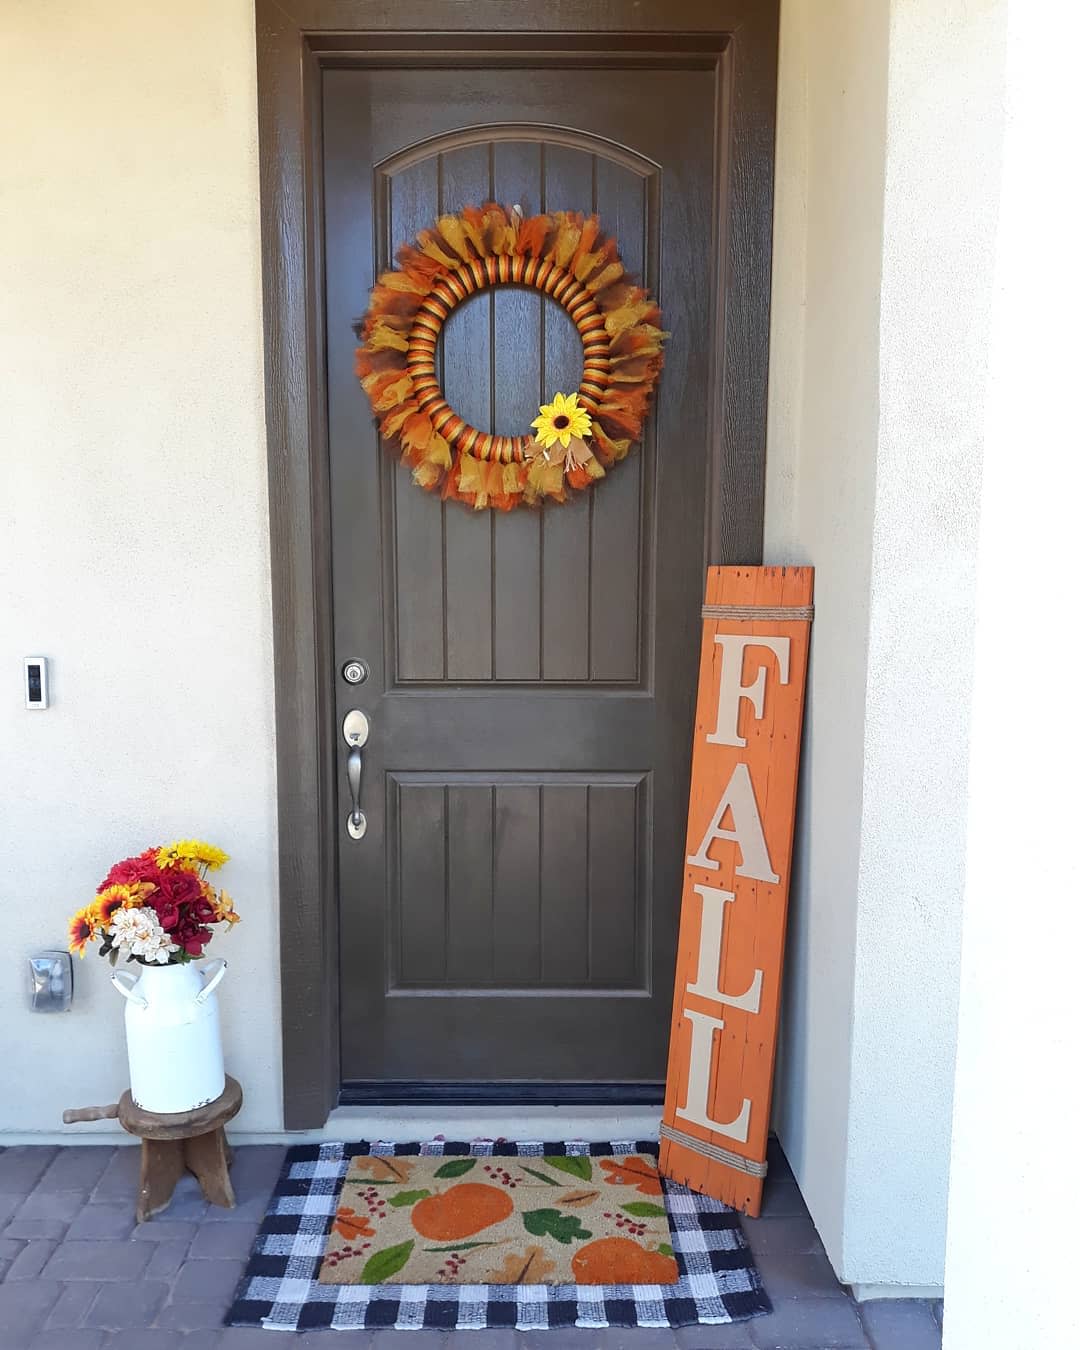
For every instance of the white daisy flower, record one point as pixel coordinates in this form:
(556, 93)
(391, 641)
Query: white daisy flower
(139, 931)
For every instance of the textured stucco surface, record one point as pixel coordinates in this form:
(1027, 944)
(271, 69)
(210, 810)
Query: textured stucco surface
(877, 389)
(1013, 1282)
(823, 425)
(134, 549)
(133, 511)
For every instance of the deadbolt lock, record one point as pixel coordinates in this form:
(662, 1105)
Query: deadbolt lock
(355, 672)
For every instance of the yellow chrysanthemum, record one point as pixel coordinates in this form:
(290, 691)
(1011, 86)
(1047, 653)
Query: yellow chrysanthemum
(561, 420)
(191, 853)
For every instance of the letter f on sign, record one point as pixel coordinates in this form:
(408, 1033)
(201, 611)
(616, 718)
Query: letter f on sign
(732, 689)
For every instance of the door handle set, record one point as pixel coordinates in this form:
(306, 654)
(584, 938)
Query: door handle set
(355, 728)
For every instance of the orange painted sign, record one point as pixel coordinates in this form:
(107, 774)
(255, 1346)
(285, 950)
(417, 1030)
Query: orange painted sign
(740, 827)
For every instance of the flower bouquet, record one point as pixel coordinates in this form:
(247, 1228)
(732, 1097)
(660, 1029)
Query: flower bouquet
(157, 908)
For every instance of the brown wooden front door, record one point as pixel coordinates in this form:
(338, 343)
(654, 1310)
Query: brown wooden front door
(510, 915)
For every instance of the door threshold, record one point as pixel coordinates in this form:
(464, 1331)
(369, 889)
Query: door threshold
(409, 1124)
(403, 1092)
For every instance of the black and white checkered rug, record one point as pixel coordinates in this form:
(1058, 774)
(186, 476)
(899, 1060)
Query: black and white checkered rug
(717, 1283)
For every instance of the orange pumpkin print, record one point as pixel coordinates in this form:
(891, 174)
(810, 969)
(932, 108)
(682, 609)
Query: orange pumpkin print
(633, 1171)
(619, 1260)
(352, 1225)
(461, 1211)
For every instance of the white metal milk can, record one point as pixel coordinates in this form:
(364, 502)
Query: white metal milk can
(173, 1035)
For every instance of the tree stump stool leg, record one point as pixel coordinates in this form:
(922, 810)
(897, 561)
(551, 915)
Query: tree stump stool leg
(162, 1168)
(206, 1155)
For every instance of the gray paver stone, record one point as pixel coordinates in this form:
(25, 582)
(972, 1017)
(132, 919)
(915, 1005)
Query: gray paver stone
(795, 1233)
(75, 1168)
(216, 1241)
(212, 1340)
(188, 1314)
(422, 1340)
(100, 1259)
(257, 1167)
(45, 1214)
(84, 1339)
(778, 1163)
(810, 1324)
(249, 1209)
(71, 1307)
(165, 1230)
(901, 1324)
(797, 1275)
(10, 1248)
(208, 1280)
(734, 1336)
(120, 1179)
(30, 1262)
(21, 1166)
(132, 1303)
(9, 1203)
(781, 1198)
(153, 1338)
(23, 1309)
(167, 1258)
(106, 1219)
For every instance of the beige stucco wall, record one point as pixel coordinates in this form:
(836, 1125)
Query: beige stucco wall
(134, 550)
(1011, 1259)
(133, 507)
(887, 159)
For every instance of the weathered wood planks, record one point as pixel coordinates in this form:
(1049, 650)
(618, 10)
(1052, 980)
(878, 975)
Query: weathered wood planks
(747, 731)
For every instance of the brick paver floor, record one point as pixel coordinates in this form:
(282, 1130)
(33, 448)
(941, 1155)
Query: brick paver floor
(76, 1273)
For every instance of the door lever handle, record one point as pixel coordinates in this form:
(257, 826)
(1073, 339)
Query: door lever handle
(355, 729)
(354, 769)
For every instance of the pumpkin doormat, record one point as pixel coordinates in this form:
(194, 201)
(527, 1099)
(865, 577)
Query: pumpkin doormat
(552, 1219)
(537, 1272)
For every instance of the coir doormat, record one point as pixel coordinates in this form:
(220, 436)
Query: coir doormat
(299, 1256)
(546, 1219)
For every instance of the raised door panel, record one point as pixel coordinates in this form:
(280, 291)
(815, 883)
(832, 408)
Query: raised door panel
(554, 596)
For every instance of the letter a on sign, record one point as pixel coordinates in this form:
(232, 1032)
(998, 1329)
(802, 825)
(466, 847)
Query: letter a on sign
(735, 883)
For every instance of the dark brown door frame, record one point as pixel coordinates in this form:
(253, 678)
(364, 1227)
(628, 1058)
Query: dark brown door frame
(295, 40)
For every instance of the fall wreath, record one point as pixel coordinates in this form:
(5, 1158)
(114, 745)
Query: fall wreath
(577, 436)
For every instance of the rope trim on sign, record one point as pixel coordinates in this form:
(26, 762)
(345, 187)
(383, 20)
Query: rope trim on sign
(757, 613)
(714, 1152)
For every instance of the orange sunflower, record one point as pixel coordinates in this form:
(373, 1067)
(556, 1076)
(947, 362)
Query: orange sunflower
(81, 931)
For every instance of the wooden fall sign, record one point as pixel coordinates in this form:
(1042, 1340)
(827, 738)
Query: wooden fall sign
(735, 886)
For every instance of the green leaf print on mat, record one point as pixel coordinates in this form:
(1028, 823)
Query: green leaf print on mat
(408, 1198)
(640, 1209)
(381, 1265)
(548, 1181)
(578, 1166)
(564, 1228)
(457, 1168)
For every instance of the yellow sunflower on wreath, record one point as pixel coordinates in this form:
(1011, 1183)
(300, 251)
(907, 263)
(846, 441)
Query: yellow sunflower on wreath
(561, 420)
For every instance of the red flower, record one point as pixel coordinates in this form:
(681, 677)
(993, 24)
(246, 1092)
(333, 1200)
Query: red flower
(178, 886)
(168, 912)
(141, 868)
(194, 945)
(202, 911)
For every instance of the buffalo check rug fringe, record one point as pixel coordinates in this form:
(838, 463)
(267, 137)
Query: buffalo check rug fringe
(280, 1290)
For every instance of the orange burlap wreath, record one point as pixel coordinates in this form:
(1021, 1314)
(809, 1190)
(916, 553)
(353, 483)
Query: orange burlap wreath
(562, 254)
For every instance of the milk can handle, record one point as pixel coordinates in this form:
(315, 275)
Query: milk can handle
(120, 981)
(214, 980)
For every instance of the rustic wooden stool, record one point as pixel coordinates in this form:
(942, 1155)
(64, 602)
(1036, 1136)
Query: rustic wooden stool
(192, 1141)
